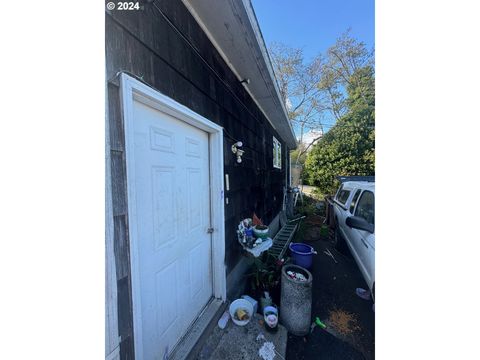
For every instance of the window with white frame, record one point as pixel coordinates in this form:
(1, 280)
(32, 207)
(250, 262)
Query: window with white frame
(277, 154)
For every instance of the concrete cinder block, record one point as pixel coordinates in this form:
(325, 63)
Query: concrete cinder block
(296, 301)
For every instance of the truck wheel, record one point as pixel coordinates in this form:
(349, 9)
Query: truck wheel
(339, 241)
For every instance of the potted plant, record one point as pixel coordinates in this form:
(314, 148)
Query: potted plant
(260, 231)
(265, 278)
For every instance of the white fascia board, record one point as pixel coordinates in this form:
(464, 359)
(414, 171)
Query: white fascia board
(224, 10)
(263, 48)
(224, 57)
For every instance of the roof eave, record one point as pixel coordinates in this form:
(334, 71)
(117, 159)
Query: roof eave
(233, 29)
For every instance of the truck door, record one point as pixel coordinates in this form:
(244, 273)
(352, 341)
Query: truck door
(364, 241)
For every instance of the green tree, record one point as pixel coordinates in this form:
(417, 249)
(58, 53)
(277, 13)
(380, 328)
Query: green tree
(349, 147)
(316, 89)
(298, 81)
(341, 61)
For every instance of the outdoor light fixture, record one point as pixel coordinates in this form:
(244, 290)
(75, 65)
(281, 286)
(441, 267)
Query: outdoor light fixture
(237, 151)
(246, 81)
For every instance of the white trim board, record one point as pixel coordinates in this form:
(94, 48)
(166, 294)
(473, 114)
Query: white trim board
(225, 58)
(234, 32)
(132, 89)
(112, 339)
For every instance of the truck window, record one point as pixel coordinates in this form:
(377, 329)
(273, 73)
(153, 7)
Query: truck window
(354, 200)
(366, 207)
(343, 196)
(338, 191)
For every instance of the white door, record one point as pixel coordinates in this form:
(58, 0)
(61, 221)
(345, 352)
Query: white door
(172, 204)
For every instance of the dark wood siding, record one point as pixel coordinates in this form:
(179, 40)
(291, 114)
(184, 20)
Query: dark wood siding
(165, 48)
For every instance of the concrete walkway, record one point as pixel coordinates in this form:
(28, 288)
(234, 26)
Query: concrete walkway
(245, 342)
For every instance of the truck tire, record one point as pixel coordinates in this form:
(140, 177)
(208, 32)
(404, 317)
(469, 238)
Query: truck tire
(339, 241)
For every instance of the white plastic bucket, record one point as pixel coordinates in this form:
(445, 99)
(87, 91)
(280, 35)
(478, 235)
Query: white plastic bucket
(241, 304)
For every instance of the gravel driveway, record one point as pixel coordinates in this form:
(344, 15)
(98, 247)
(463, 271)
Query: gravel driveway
(350, 320)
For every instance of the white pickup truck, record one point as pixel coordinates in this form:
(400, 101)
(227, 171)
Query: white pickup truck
(354, 207)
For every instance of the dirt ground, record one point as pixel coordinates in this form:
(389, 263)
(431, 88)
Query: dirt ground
(350, 320)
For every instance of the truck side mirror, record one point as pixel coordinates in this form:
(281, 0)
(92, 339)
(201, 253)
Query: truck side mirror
(360, 223)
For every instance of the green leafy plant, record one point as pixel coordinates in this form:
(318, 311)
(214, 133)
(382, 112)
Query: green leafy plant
(265, 274)
(349, 147)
